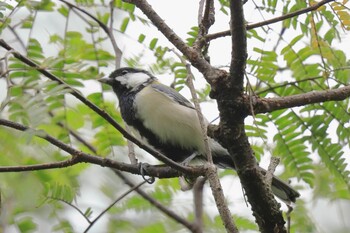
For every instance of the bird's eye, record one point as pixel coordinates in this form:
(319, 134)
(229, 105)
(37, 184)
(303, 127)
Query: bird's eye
(124, 72)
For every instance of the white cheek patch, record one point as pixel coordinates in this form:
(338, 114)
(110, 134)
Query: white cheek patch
(121, 79)
(132, 80)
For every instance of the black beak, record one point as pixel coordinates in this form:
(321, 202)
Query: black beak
(105, 80)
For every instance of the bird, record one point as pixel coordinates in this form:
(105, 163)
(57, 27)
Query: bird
(162, 118)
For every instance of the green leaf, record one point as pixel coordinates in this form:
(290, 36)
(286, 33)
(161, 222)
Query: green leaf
(26, 224)
(28, 22)
(64, 11)
(63, 226)
(153, 43)
(104, 18)
(124, 24)
(74, 119)
(34, 49)
(155, 227)
(44, 5)
(16, 91)
(56, 191)
(193, 33)
(88, 212)
(96, 98)
(141, 38)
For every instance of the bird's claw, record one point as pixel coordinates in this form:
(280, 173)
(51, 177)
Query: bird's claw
(143, 169)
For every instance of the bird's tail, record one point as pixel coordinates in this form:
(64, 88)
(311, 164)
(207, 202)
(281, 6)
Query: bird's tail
(280, 189)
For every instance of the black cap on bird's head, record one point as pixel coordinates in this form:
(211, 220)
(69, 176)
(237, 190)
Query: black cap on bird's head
(127, 79)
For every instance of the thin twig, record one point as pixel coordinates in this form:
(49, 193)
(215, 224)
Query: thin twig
(200, 11)
(18, 38)
(131, 148)
(118, 52)
(290, 210)
(271, 169)
(271, 21)
(170, 213)
(189, 82)
(198, 202)
(199, 114)
(73, 206)
(212, 175)
(220, 200)
(205, 20)
(209, 15)
(113, 203)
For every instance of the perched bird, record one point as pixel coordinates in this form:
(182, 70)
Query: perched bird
(167, 121)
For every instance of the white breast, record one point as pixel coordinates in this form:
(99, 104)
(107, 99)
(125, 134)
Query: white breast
(170, 121)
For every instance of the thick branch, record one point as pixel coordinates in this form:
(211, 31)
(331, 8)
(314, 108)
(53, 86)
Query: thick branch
(239, 45)
(81, 157)
(231, 132)
(271, 21)
(273, 104)
(96, 109)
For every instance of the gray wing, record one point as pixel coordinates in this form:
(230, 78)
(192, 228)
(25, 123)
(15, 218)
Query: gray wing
(171, 93)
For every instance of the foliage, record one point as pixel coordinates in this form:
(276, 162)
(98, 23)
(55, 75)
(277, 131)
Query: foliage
(301, 55)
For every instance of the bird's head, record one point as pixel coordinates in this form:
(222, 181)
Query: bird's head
(128, 79)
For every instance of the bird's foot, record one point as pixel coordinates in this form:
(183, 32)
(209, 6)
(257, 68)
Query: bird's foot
(143, 170)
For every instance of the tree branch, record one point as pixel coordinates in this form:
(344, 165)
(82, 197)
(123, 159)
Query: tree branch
(231, 131)
(81, 157)
(212, 175)
(272, 104)
(66, 163)
(238, 46)
(158, 205)
(193, 227)
(271, 21)
(205, 20)
(274, 161)
(133, 188)
(72, 206)
(198, 202)
(220, 200)
(209, 15)
(193, 56)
